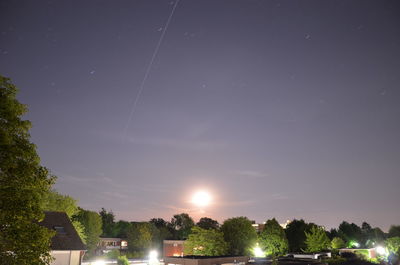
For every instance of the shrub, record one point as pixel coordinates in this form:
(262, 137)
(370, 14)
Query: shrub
(362, 254)
(113, 254)
(393, 245)
(337, 242)
(122, 260)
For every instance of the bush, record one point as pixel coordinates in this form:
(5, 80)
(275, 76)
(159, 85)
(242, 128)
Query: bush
(122, 260)
(337, 242)
(362, 254)
(113, 254)
(135, 254)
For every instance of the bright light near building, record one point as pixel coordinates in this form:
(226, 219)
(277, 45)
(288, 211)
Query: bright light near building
(257, 251)
(201, 198)
(153, 256)
(99, 262)
(381, 250)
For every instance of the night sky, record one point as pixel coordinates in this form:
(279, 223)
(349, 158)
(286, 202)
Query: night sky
(286, 109)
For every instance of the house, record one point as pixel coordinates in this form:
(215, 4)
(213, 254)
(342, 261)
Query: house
(67, 247)
(107, 244)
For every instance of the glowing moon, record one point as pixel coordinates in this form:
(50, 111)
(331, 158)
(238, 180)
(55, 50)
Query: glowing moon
(201, 198)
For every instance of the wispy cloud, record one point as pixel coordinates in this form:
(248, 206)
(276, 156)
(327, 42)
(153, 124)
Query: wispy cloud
(251, 174)
(235, 203)
(178, 143)
(279, 196)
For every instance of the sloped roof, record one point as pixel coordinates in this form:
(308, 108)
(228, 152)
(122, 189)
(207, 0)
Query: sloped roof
(66, 237)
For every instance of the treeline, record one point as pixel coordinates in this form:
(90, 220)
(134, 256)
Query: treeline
(237, 236)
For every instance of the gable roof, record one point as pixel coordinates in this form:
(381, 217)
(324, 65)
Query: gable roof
(66, 237)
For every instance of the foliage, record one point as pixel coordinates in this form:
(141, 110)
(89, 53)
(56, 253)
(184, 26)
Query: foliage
(121, 229)
(240, 235)
(394, 231)
(113, 254)
(136, 254)
(162, 232)
(208, 223)
(140, 236)
(362, 254)
(378, 235)
(181, 225)
(107, 219)
(350, 232)
(273, 239)
(91, 222)
(337, 242)
(393, 245)
(295, 234)
(22, 183)
(159, 222)
(205, 242)
(122, 260)
(317, 239)
(54, 201)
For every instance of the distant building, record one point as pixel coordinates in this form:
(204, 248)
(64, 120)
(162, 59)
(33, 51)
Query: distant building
(258, 227)
(67, 247)
(371, 251)
(107, 244)
(284, 225)
(173, 248)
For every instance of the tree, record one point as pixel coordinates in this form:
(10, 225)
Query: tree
(140, 236)
(394, 231)
(54, 201)
(393, 245)
(273, 239)
(162, 231)
(378, 235)
(295, 234)
(181, 225)
(317, 240)
(208, 223)
(91, 222)
(337, 243)
(205, 242)
(367, 235)
(23, 181)
(240, 235)
(107, 219)
(121, 229)
(351, 233)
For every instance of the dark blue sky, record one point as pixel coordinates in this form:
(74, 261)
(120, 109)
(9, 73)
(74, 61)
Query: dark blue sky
(286, 109)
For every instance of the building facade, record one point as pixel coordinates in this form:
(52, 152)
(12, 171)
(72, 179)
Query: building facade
(173, 248)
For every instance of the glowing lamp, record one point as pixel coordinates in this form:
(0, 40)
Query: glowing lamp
(258, 252)
(381, 250)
